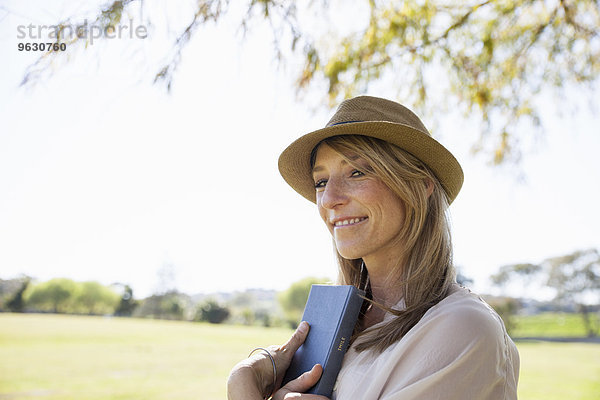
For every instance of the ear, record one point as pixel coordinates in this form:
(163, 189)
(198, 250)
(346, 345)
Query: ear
(430, 186)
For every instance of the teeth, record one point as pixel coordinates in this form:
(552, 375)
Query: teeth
(349, 221)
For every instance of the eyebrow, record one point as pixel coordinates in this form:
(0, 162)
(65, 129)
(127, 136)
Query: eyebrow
(317, 169)
(354, 157)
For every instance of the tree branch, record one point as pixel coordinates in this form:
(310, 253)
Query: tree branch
(207, 10)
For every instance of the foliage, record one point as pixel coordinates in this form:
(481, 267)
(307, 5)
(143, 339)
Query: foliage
(94, 299)
(491, 59)
(166, 279)
(170, 305)
(255, 316)
(127, 304)
(525, 271)
(213, 312)
(55, 295)
(293, 299)
(11, 294)
(575, 279)
(575, 276)
(265, 318)
(506, 307)
(61, 295)
(496, 56)
(254, 307)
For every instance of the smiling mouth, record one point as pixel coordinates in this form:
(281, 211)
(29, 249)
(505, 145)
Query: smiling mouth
(347, 222)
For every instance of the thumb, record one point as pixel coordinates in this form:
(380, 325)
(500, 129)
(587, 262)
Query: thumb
(305, 381)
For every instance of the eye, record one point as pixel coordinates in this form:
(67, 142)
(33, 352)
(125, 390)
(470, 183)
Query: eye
(320, 184)
(356, 173)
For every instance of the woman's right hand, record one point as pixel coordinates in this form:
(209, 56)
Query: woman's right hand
(252, 378)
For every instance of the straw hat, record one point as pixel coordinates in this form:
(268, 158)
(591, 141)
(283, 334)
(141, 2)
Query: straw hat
(378, 118)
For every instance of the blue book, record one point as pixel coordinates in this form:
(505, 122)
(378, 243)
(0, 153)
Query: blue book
(332, 312)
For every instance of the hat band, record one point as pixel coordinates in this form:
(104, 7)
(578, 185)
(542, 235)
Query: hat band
(343, 122)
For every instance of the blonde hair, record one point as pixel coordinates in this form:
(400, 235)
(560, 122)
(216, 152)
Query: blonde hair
(425, 273)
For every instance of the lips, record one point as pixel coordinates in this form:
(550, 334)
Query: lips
(348, 221)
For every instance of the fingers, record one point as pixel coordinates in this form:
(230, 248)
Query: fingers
(296, 340)
(262, 367)
(306, 380)
(286, 351)
(295, 389)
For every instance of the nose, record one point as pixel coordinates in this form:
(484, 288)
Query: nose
(334, 194)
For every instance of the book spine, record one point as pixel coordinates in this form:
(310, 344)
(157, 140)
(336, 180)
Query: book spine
(339, 346)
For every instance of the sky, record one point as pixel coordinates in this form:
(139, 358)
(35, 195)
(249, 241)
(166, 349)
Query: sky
(106, 177)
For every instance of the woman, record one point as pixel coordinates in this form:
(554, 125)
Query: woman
(382, 186)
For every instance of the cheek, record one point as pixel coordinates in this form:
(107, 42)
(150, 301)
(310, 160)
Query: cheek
(395, 216)
(388, 207)
(323, 215)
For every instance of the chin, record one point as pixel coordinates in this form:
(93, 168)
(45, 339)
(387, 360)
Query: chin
(349, 253)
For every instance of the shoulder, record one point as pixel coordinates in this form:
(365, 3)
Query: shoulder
(462, 336)
(465, 313)
(461, 326)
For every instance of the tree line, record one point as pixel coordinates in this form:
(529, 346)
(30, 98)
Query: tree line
(574, 280)
(66, 296)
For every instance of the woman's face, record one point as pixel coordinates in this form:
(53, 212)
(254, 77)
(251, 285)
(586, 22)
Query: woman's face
(363, 215)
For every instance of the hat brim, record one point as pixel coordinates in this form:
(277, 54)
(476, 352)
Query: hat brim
(294, 161)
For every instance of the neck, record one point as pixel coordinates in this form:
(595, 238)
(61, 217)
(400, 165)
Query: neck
(383, 293)
(383, 290)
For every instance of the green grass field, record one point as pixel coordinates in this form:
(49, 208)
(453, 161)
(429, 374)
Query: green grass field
(551, 325)
(73, 357)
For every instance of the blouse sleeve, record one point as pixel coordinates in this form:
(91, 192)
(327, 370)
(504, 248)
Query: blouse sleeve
(462, 352)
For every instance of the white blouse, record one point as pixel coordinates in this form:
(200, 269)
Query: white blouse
(458, 350)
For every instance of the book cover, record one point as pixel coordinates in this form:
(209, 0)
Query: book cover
(332, 312)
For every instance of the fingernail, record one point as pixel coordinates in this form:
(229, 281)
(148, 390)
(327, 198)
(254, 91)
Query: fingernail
(303, 327)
